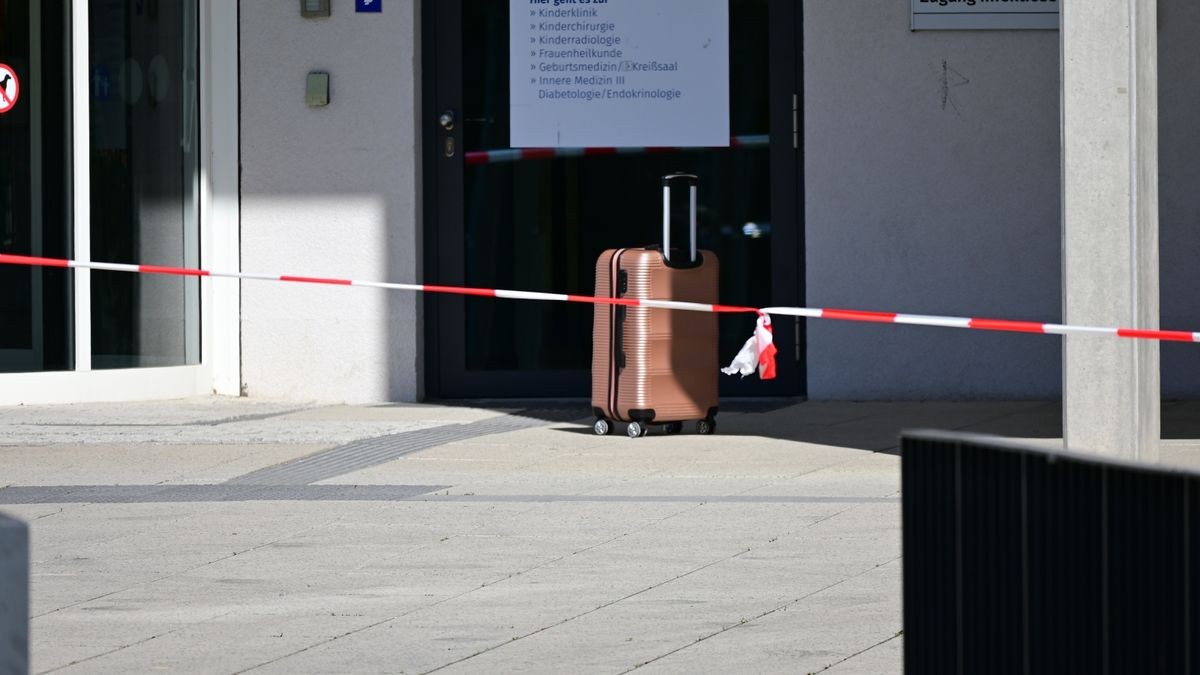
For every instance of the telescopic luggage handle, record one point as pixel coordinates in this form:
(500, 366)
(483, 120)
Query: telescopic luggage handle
(667, 181)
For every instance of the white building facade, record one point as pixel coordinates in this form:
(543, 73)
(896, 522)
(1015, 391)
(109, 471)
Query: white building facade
(875, 167)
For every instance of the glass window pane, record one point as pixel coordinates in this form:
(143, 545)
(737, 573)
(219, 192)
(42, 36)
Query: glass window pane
(144, 166)
(35, 303)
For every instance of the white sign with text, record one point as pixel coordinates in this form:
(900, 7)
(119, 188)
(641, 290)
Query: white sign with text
(619, 73)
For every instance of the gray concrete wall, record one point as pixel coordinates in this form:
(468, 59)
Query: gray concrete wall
(330, 191)
(14, 596)
(932, 168)
(1179, 190)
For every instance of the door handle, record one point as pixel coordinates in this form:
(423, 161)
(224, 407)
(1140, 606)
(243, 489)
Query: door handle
(447, 120)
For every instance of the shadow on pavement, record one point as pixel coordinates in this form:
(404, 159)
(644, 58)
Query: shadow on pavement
(865, 425)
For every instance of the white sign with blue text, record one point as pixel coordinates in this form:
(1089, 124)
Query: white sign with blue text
(619, 73)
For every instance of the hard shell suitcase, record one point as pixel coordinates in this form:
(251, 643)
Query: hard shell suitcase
(656, 366)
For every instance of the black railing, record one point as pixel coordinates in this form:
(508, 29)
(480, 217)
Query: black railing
(1026, 560)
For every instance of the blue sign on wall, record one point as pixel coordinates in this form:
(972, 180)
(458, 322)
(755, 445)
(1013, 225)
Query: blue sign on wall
(368, 5)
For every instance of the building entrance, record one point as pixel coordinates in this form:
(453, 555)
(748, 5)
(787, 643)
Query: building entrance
(538, 220)
(109, 171)
(35, 305)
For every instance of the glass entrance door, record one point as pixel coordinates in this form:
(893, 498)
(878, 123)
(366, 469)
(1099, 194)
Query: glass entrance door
(142, 129)
(538, 220)
(35, 303)
(145, 170)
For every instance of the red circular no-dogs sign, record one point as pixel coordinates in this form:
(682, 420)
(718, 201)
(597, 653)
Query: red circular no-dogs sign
(10, 88)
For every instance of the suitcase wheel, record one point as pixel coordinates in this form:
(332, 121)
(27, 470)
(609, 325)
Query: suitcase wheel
(706, 427)
(636, 430)
(602, 427)
(673, 428)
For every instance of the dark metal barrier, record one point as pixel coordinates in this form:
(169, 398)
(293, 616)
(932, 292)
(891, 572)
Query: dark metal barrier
(14, 597)
(1023, 560)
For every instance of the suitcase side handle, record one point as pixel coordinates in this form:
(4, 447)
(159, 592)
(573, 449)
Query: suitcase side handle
(692, 183)
(619, 321)
(619, 340)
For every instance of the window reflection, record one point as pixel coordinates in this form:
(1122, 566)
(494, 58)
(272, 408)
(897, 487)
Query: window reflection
(144, 167)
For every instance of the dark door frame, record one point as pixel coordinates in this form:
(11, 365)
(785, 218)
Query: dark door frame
(441, 88)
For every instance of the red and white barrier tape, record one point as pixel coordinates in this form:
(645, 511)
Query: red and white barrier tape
(32, 261)
(519, 154)
(804, 312)
(758, 354)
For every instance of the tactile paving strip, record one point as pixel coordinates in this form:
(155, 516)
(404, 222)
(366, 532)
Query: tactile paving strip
(151, 494)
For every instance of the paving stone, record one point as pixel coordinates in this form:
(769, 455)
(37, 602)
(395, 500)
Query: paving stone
(220, 535)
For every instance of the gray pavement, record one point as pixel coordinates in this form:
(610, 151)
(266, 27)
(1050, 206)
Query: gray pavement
(228, 536)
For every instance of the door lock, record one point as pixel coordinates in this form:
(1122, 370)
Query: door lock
(447, 120)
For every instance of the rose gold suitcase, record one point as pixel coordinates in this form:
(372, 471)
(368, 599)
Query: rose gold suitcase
(656, 366)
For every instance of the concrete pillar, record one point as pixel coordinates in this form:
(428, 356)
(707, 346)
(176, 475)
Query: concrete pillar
(14, 596)
(1110, 223)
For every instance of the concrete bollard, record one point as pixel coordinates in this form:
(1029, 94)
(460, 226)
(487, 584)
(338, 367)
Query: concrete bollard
(14, 597)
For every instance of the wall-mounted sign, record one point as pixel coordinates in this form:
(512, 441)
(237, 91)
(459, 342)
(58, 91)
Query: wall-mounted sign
(985, 14)
(619, 73)
(10, 88)
(368, 5)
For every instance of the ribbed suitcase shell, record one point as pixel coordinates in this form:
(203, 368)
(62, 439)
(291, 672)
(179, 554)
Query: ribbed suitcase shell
(671, 361)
